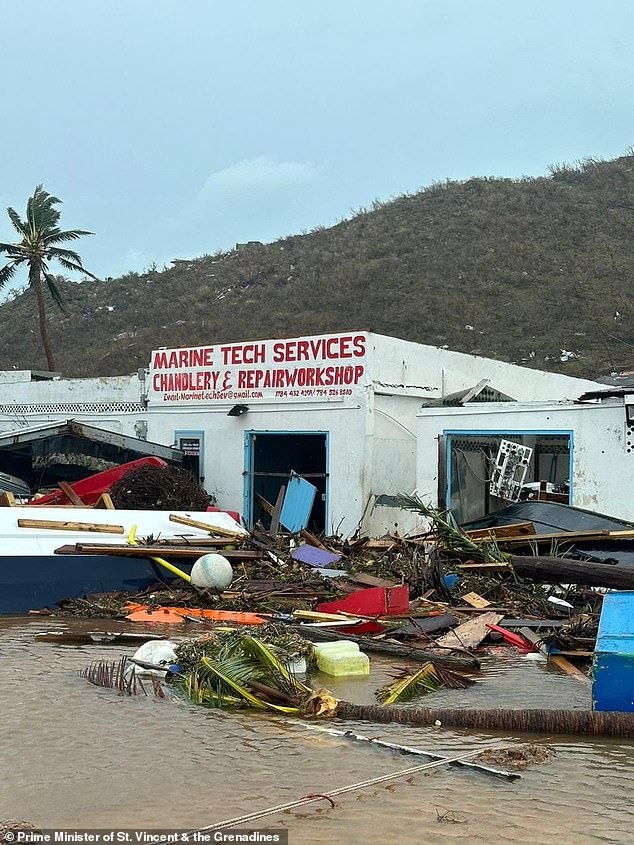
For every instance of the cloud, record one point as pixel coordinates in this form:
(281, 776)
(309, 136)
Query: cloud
(259, 198)
(260, 174)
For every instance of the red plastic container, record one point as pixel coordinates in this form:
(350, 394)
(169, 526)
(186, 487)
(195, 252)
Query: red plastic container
(373, 601)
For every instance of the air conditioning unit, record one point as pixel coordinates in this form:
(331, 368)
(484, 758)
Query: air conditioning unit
(509, 472)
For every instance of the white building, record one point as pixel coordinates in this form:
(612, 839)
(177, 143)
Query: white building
(339, 409)
(586, 448)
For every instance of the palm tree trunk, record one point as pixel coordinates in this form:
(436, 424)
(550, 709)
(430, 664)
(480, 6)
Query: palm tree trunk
(35, 281)
(523, 721)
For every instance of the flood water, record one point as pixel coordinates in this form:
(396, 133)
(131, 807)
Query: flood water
(73, 755)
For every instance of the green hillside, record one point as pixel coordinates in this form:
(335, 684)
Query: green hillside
(512, 269)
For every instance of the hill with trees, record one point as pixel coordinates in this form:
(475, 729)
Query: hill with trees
(518, 270)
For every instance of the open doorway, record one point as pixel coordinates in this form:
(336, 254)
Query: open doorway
(270, 457)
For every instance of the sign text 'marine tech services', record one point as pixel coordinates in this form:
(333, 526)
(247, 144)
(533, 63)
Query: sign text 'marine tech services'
(321, 367)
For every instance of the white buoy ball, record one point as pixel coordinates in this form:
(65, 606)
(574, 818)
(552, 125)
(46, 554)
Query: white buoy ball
(212, 571)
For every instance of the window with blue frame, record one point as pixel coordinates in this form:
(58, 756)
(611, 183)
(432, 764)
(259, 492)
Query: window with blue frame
(471, 457)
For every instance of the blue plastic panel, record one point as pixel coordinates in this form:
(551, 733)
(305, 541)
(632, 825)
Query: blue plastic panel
(613, 675)
(298, 503)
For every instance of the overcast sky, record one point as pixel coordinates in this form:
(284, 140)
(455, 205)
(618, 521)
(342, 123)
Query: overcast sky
(172, 128)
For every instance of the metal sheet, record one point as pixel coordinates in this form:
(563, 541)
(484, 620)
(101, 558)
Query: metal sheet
(298, 503)
(73, 428)
(548, 517)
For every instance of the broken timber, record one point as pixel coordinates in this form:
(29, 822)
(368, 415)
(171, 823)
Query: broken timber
(61, 525)
(568, 571)
(471, 633)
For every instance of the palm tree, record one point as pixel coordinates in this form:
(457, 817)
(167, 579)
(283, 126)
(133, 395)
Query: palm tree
(40, 234)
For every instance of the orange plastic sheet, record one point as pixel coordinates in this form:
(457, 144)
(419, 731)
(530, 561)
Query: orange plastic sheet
(175, 615)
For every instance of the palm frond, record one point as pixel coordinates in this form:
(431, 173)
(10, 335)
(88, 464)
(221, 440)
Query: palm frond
(272, 664)
(237, 670)
(13, 250)
(56, 295)
(20, 227)
(7, 273)
(222, 672)
(429, 678)
(58, 236)
(69, 264)
(41, 213)
(448, 533)
(68, 254)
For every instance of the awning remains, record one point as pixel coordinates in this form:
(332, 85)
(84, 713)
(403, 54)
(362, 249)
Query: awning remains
(70, 450)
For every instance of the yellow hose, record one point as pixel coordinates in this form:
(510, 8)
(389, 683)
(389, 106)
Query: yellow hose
(161, 561)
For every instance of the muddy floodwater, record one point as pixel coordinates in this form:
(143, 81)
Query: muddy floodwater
(73, 755)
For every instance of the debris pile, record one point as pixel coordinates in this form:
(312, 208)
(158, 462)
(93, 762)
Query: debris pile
(438, 598)
(150, 487)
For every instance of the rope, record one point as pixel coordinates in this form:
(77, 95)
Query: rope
(309, 799)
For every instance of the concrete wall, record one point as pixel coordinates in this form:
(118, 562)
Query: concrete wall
(224, 461)
(603, 462)
(404, 367)
(372, 431)
(33, 396)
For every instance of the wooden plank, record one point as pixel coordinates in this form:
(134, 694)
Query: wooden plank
(554, 659)
(104, 501)
(381, 543)
(471, 633)
(516, 529)
(371, 580)
(316, 616)
(485, 567)
(568, 537)
(264, 504)
(204, 526)
(475, 600)
(277, 510)
(567, 571)
(534, 623)
(188, 552)
(70, 494)
(312, 540)
(7, 499)
(198, 542)
(55, 525)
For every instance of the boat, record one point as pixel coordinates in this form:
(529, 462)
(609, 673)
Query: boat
(34, 577)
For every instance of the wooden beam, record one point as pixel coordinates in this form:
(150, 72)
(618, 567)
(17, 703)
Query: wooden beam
(471, 633)
(104, 501)
(59, 525)
(485, 567)
(567, 536)
(70, 494)
(312, 540)
(7, 499)
(277, 511)
(567, 571)
(555, 659)
(264, 504)
(188, 552)
(502, 532)
(204, 526)
(391, 648)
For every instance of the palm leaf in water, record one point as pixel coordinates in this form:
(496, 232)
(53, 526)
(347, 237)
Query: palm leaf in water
(226, 680)
(429, 678)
